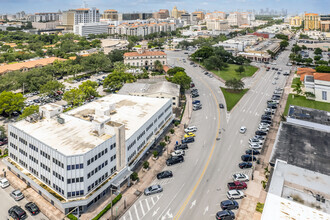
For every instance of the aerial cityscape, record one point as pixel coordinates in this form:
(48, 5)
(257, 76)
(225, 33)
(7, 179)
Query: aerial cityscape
(152, 110)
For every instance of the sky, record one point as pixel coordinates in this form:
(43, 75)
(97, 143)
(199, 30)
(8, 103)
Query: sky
(293, 6)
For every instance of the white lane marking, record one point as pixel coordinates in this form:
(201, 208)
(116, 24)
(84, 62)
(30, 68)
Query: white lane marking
(206, 209)
(152, 200)
(136, 213)
(155, 212)
(206, 117)
(196, 161)
(167, 215)
(193, 204)
(142, 209)
(243, 110)
(130, 215)
(124, 218)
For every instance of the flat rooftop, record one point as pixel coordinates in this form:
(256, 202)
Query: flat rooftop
(309, 114)
(76, 135)
(303, 147)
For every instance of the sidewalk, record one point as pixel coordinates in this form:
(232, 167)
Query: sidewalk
(131, 194)
(255, 192)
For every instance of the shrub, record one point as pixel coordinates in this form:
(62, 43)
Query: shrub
(176, 123)
(264, 184)
(172, 131)
(145, 164)
(260, 207)
(167, 138)
(162, 144)
(134, 176)
(108, 207)
(155, 153)
(72, 217)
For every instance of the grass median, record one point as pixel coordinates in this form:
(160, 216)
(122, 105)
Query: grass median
(303, 102)
(232, 97)
(295, 81)
(230, 72)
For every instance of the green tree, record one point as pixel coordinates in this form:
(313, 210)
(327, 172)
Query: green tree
(51, 87)
(203, 53)
(74, 69)
(2, 132)
(174, 70)
(89, 89)
(96, 62)
(282, 37)
(240, 70)
(297, 88)
(158, 66)
(116, 55)
(74, 96)
(303, 47)
(10, 102)
(181, 79)
(284, 44)
(296, 48)
(235, 84)
(271, 53)
(318, 51)
(323, 69)
(317, 58)
(29, 111)
(214, 62)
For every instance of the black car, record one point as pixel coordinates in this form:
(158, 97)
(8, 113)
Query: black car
(245, 165)
(272, 106)
(206, 73)
(266, 121)
(188, 140)
(32, 208)
(174, 160)
(194, 90)
(225, 215)
(252, 151)
(261, 133)
(229, 205)
(266, 117)
(194, 95)
(181, 147)
(17, 212)
(165, 174)
(248, 157)
(268, 113)
(221, 105)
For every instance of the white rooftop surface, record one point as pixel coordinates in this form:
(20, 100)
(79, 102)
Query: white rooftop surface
(75, 135)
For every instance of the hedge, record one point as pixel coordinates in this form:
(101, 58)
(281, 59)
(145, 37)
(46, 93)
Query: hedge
(114, 201)
(72, 217)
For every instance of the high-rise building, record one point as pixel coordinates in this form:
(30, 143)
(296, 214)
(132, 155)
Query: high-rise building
(216, 15)
(176, 13)
(199, 15)
(110, 14)
(86, 15)
(161, 14)
(311, 21)
(45, 17)
(295, 21)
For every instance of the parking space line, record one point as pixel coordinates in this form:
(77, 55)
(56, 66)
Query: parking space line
(142, 209)
(152, 200)
(147, 204)
(130, 215)
(136, 212)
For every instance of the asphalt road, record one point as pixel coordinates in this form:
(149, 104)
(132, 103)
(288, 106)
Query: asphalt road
(199, 184)
(6, 202)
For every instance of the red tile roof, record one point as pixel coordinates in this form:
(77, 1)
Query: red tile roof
(146, 53)
(322, 76)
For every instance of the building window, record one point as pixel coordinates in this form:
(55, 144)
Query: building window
(324, 95)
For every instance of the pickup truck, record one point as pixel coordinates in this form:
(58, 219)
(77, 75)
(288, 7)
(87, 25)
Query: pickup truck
(237, 185)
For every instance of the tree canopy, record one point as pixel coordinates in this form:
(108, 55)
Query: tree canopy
(174, 70)
(235, 84)
(181, 79)
(10, 102)
(52, 87)
(29, 111)
(323, 69)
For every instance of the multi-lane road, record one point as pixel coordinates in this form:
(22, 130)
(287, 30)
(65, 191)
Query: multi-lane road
(199, 184)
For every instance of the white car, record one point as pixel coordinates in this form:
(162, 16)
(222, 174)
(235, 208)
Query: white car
(240, 177)
(242, 130)
(4, 183)
(235, 194)
(264, 129)
(255, 145)
(270, 110)
(254, 141)
(190, 129)
(178, 153)
(264, 125)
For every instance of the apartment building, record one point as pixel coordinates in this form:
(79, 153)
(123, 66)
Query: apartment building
(90, 28)
(75, 158)
(161, 14)
(46, 17)
(295, 21)
(319, 85)
(216, 15)
(134, 16)
(110, 14)
(86, 15)
(215, 24)
(311, 21)
(199, 15)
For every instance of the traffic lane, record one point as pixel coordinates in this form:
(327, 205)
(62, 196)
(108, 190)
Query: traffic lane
(7, 202)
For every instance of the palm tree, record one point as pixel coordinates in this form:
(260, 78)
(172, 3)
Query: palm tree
(158, 66)
(235, 84)
(297, 88)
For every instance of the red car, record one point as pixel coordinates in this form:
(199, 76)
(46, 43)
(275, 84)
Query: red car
(237, 185)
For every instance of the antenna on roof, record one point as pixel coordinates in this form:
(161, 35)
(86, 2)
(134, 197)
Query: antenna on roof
(84, 4)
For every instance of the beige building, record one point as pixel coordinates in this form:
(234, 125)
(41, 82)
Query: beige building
(216, 15)
(176, 13)
(216, 24)
(199, 15)
(295, 21)
(311, 21)
(110, 14)
(319, 85)
(161, 14)
(68, 20)
(312, 44)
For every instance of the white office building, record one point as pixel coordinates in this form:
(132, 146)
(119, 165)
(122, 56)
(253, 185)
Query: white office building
(73, 159)
(90, 28)
(86, 15)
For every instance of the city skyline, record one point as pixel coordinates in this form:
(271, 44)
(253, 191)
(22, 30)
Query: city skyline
(292, 6)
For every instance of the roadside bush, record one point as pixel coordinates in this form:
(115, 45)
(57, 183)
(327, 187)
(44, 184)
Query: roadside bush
(260, 207)
(162, 144)
(72, 217)
(172, 131)
(176, 123)
(108, 207)
(134, 176)
(145, 164)
(167, 138)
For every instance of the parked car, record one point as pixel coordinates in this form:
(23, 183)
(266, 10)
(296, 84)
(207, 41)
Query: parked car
(181, 147)
(153, 189)
(229, 205)
(225, 215)
(266, 121)
(189, 134)
(261, 133)
(196, 102)
(242, 130)
(240, 177)
(17, 212)
(17, 195)
(255, 145)
(32, 208)
(252, 151)
(4, 183)
(165, 174)
(195, 108)
(254, 140)
(174, 160)
(235, 194)
(236, 185)
(245, 165)
(221, 105)
(266, 117)
(190, 129)
(178, 153)
(188, 140)
(263, 129)
(247, 158)
(194, 95)
(259, 137)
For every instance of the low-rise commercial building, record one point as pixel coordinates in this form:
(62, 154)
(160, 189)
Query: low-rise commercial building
(73, 159)
(313, 44)
(216, 24)
(319, 85)
(259, 52)
(85, 29)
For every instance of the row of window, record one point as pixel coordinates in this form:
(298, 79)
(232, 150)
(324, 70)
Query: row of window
(113, 157)
(160, 124)
(98, 181)
(75, 180)
(147, 57)
(58, 176)
(131, 156)
(13, 156)
(58, 163)
(45, 167)
(58, 189)
(22, 141)
(141, 135)
(149, 126)
(75, 166)
(168, 107)
(150, 135)
(97, 156)
(33, 147)
(13, 135)
(23, 163)
(76, 193)
(22, 152)
(167, 116)
(13, 146)
(131, 145)
(45, 179)
(34, 171)
(159, 116)
(33, 159)
(90, 174)
(45, 154)
(141, 145)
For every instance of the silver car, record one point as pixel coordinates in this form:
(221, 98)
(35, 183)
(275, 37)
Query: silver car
(17, 195)
(235, 194)
(153, 189)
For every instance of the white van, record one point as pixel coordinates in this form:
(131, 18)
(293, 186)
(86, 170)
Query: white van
(4, 183)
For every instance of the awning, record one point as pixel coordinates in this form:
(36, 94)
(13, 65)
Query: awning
(121, 177)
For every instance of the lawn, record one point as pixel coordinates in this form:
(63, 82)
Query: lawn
(295, 81)
(302, 101)
(230, 73)
(232, 97)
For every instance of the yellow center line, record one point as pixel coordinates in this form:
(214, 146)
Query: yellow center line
(177, 216)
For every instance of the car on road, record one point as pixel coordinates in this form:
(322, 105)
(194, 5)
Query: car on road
(165, 174)
(237, 185)
(196, 102)
(286, 74)
(188, 140)
(260, 128)
(245, 165)
(240, 177)
(221, 105)
(252, 151)
(189, 134)
(190, 129)
(254, 140)
(17, 195)
(17, 212)
(178, 153)
(206, 73)
(174, 160)
(229, 205)
(261, 133)
(225, 215)
(255, 145)
(153, 189)
(248, 158)
(195, 95)
(4, 183)
(235, 194)
(181, 147)
(242, 130)
(32, 208)
(197, 107)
